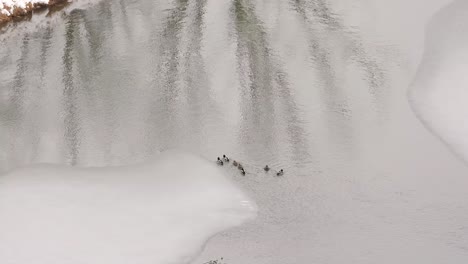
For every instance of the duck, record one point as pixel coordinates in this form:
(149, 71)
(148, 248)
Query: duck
(219, 162)
(243, 171)
(234, 163)
(240, 166)
(280, 173)
(226, 159)
(266, 168)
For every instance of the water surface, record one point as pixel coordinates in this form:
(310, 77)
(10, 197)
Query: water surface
(317, 88)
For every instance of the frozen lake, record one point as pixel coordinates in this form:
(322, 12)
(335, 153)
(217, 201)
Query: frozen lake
(316, 87)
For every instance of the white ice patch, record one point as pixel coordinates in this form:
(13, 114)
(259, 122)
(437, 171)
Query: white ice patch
(439, 93)
(158, 212)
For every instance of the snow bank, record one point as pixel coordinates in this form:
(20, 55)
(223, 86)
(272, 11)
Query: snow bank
(9, 7)
(159, 212)
(439, 93)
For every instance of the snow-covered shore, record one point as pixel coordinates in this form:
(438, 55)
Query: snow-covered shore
(438, 94)
(14, 8)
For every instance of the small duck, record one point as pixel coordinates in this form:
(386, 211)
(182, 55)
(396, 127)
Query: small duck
(240, 166)
(280, 173)
(243, 171)
(219, 162)
(266, 168)
(226, 159)
(234, 163)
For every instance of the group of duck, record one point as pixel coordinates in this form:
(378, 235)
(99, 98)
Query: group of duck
(225, 159)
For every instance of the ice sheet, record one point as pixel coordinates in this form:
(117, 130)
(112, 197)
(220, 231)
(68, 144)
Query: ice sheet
(158, 212)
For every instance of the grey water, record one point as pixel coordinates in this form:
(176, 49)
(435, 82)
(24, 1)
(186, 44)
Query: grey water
(317, 88)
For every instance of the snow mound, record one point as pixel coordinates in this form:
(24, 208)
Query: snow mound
(162, 211)
(439, 93)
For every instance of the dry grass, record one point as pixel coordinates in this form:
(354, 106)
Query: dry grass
(4, 18)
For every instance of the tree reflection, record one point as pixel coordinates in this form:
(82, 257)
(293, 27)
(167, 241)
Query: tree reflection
(70, 100)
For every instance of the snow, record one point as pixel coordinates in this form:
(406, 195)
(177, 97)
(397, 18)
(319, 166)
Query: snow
(162, 211)
(12, 4)
(439, 92)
